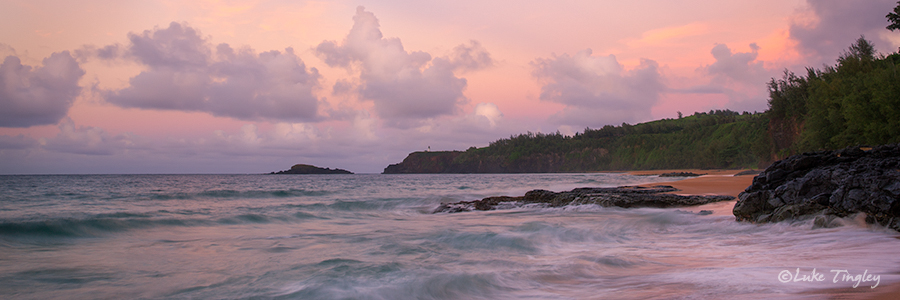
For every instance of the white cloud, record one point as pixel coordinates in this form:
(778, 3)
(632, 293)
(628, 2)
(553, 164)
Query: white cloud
(489, 111)
(470, 57)
(42, 95)
(184, 74)
(740, 66)
(89, 140)
(597, 90)
(737, 75)
(837, 24)
(300, 132)
(405, 87)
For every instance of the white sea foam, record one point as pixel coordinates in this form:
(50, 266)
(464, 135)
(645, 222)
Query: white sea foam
(373, 237)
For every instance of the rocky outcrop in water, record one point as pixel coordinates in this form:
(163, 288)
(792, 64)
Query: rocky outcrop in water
(827, 184)
(309, 169)
(625, 196)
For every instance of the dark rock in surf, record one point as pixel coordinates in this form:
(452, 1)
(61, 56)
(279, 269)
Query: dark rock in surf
(624, 196)
(829, 184)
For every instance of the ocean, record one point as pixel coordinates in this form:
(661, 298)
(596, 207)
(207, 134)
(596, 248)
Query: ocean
(372, 236)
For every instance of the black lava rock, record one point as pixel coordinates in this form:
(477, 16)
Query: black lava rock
(624, 196)
(827, 183)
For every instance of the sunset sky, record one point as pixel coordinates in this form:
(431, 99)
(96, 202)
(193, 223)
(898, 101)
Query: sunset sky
(257, 86)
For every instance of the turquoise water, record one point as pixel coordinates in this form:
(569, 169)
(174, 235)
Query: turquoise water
(374, 237)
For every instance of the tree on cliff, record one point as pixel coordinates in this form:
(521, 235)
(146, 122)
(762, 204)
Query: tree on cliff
(894, 18)
(856, 101)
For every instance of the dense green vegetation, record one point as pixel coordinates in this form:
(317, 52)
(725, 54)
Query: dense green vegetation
(854, 102)
(718, 139)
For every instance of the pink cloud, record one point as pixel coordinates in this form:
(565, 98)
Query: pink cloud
(405, 87)
(597, 90)
(184, 74)
(41, 95)
(836, 24)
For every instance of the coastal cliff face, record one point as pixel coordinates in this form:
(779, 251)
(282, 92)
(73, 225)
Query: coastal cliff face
(463, 162)
(714, 140)
(424, 162)
(825, 185)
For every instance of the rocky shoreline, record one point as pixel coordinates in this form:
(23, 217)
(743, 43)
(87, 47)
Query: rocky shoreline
(624, 196)
(826, 185)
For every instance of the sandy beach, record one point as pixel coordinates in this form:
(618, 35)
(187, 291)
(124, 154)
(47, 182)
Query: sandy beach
(723, 182)
(713, 182)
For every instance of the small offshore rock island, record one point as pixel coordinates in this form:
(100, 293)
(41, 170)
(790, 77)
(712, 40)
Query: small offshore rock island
(310, 169)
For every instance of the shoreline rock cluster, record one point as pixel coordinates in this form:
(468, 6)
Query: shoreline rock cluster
(826, 185)
(624, 196)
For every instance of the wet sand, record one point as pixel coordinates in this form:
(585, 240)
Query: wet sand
(715, 182)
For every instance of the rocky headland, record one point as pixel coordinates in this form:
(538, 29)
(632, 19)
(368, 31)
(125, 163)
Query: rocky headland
(825, 185)
(310, 169)
(428, 162)
(625, 196)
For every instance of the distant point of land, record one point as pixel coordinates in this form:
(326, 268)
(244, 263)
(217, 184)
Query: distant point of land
(310, 169)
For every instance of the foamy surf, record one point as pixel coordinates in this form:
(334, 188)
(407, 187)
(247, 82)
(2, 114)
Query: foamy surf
(373, 237)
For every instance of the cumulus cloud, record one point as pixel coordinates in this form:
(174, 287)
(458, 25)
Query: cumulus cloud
(7, 50)
(597, 90)
(89, 52)
(740, 66)
(737, 75)
(489, 111)
(470, 57)
(89, 140)
(835, 24)
(17, 142)
(402, 85)
(184, 73)
(285, 139)
(42, 95)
